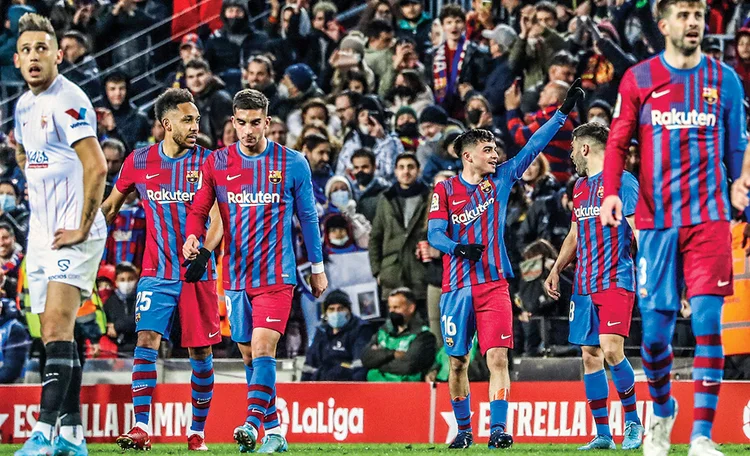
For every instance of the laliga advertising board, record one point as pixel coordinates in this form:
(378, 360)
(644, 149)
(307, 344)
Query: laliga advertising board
(548, 412)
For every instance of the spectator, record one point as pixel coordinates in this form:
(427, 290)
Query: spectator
(213, 101)
(341, 200)
(407, 129)
(11, 255)
(236, 41)
(105, 281)
(562, 68)
(78, 65)
(399, 225)
(479, 114)
(599, 111)
(457, 65)
(312, 110)
(317, 150)
(336, 350)
(742, 65)
(8, 40)
(415, 24)
(338, 235)
(114, 153)
(9, 170)
(511, 12)
(317, 127)
(191, 48)
(444, 158)
(348, 59)
(14, 343)
(367, 187)
(537, 181)
(120, 309)
(549, 218)
(432, 123)
(378, 9)
(13, 212)
(479, 19)
(277, 131)
(229, 135)
(126, 240)
(557, 151)
(317, 48)
(500, 76)
(410, 90)
(380, 52)
(157, 132)
(132, 125)
(346, 104)
(714, 47)
(296, 87)
(403, 349)
(259, 75)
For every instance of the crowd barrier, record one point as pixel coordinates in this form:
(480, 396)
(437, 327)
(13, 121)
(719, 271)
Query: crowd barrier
(539, 412)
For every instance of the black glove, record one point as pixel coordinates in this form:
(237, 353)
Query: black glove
(197, 267)
(575, 93)
(472, 252)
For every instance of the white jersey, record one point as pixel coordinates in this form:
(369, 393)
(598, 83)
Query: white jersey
(47, 125)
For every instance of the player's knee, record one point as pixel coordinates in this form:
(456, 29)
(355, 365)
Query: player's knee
(199, 353)
(57, 326)
(497, 359)
(459, 364)
(149, 339)
(593, 359)
(613, 354)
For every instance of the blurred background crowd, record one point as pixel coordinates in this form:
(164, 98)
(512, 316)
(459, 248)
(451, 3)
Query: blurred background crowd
(373, 94)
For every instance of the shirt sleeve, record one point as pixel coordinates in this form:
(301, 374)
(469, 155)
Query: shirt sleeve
(573, 217)
(125, 180)
(623, 129)
(202, 201)
(304, 204)
(437, 226)
(74, 117)
(629, 194)
(734, 122)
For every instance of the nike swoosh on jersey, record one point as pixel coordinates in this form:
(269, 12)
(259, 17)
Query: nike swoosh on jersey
(722, 283)
(660, 94)
(272, 320)
(151, 176)
(231, 178)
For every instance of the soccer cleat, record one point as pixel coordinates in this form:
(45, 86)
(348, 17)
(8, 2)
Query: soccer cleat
(135, 439)
(500, 439)
(63, 447)
(245, 436)
(273, 443)
(463, 440)
(36, 445)
(196, 443)
(703, 446)
(656, 442)
(600, 442)
(633, 436)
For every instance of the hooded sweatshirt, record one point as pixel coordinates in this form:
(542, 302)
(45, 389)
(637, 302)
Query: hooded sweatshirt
(132, 124)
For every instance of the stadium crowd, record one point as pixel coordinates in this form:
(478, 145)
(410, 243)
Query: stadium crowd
(374, 102)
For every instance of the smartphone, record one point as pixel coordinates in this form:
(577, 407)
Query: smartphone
(487, 4)
(518, 82)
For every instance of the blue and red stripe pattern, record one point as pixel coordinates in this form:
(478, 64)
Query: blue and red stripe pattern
(126, 240)
(167, 187)
(604, 256)
(202, 390)
(257, 198)
(143, 382)
(690, 127)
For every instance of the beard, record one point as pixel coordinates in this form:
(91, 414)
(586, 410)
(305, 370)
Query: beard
(684, 48)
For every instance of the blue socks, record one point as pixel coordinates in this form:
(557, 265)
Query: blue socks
(624, 379)
(143, 383)
(202, 383)
(260, 389)
(656, 351)
(271, 420)
(462, 412)
(597, 391)
(708, 364)
(498, 415)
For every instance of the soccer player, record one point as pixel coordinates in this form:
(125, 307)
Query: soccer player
(604, 286)
(166, 175)
(467, 216)
(686, 110)
(259, 185)
(55, 127)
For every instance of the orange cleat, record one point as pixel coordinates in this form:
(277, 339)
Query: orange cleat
(135, 439)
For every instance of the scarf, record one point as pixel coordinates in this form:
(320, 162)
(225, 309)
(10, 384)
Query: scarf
(415, 189)
(446, 84)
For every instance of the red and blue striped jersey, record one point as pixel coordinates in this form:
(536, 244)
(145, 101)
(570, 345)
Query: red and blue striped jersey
(604, 257)
(257, 196)
(690, 125)
(475, 214)
(126, 240)
(167, 187)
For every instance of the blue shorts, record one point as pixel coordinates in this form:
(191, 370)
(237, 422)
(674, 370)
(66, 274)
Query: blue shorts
(584, 321)
(198, 306)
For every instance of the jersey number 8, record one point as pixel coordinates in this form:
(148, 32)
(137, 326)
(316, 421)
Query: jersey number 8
(572, 312)
(143, 300)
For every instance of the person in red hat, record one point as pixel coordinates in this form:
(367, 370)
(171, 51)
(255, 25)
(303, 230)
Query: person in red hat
(742, 65)
(191, 47)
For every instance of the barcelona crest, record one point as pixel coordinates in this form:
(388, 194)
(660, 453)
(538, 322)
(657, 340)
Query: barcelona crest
(600, 192)
(449, 341)
(710, 95)
(486, 186)
(274, 176)
(193, 176)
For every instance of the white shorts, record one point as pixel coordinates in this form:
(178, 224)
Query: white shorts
(75, 265)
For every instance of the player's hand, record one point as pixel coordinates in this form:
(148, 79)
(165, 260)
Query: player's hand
(611, 211)
(740, 191)
(67, 237)
(575, 93)
(191, 249)
(318, 283)
(197, 267)
(513, 97)
(551, 285)
(472, 252)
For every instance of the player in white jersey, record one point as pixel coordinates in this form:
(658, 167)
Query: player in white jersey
(55, 127)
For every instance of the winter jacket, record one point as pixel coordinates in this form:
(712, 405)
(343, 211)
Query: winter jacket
(436, 163)
(215, 106)
(84, 73)
(223, 54)
(121, 313)
(416, 340)
(132, 125)
(337, 357)
(111, 29)
(419, 32)
(360, 226)
(386, 150)
(546, 219)
(499, 80)
(8, 40)
(14, 347)
(18, 219)
(392, 246)
(367, 199)
(535, 61)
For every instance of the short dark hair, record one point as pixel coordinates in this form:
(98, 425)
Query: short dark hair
(356, 75)
(116, 144)
(452, 10)
(354, 97)
(563, 58)
(6, 226)
(32, 22)
(544, 5)
(12, 184)
(116, 77)
(406, 292)
(78, 36)
(250, 99)
(170, 99)
(407, 156)
(592, 130)
(125, 266)
(364, 152)
(663, 6)
(198, 64)
(263, 60)
(315, 103)
(470, 138)
(313, 140)
(376, 27)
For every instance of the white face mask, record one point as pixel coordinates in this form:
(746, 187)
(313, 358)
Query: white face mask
(599, 120)
(364, 128)
(339, 242)
(282, 92)
(126, 288)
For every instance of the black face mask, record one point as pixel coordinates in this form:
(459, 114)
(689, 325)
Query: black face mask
(403, 91)
(363, 178)
(397, 319)
(474, 115)
(409, 130)
(236, 24)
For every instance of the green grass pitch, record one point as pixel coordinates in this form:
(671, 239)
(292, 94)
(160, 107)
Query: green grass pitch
(391, 450)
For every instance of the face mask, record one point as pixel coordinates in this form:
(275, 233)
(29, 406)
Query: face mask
(409, 130)
(474, 115)
(282, 92)
(435, 138)
(484, 48)
(339, 242)
(599, 120)
(397, 319)
(364, 128)
(339, 198)
(363, 178)
(236, 24)
(126, 288)
(337, 320)
(7, 202)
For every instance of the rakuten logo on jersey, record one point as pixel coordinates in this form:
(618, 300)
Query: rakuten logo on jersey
(253, 199)
(466, 217)
(587, 212)
(674, 119)
(167, 197)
